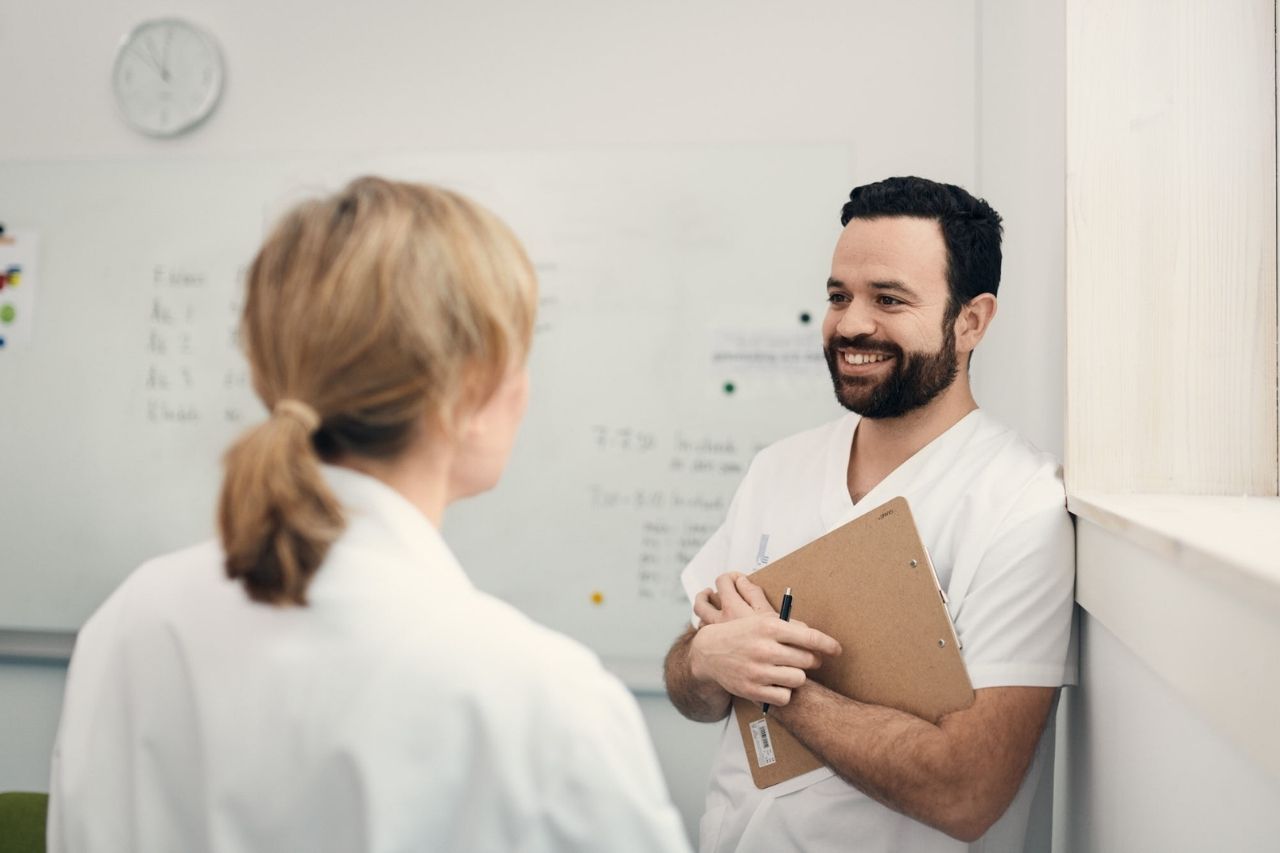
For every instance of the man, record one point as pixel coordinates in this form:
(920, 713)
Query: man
(912, 292)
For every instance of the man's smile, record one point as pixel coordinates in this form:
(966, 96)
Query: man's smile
(862, 361)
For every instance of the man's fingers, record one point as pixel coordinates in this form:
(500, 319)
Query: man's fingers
(753, 595)
(775, 696)
(798, 658)
(731, 601)
(787, 676)
(753, 655)
(703, 608)
(796, 633)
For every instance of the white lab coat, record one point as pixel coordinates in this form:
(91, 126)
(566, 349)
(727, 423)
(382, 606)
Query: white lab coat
(991, 510)
(402, 710)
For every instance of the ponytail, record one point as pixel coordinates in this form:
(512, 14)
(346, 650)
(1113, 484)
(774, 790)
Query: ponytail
(277, 516)
(382, 307)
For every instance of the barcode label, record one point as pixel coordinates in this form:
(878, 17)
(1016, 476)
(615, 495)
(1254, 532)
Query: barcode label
(763, 743)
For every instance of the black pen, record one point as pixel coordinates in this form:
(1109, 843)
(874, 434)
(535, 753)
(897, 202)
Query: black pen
(785, 615)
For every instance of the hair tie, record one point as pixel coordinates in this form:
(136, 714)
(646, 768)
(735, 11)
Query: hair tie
(299, 411)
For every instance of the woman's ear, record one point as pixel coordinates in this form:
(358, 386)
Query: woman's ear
(485, 433)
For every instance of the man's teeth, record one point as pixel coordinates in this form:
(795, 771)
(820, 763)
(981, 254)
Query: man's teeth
(863, 358)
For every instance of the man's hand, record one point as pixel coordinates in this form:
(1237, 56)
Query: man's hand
(729, 601)
(746, 649)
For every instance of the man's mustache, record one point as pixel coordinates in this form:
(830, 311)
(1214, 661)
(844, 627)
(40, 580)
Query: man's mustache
(866, 343)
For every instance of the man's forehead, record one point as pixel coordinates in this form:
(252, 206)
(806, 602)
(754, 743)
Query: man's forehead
(905, 249)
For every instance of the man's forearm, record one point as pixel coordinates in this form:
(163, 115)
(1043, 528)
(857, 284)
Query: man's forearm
(702, 701)
(895, 758)
(957, 784)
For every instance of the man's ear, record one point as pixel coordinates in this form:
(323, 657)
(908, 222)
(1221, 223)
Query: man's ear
(973, 321)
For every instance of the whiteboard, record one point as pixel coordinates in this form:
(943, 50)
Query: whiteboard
(682, 291)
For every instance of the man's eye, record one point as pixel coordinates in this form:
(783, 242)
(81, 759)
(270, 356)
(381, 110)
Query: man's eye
(888, 300)
(837, 298)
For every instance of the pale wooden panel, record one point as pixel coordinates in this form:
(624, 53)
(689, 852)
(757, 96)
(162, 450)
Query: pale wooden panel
(1171, 267)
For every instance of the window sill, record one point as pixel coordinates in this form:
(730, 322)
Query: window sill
(1191, 585)
(1232, 542)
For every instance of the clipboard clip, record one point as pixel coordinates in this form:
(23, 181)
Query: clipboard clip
(946, 602)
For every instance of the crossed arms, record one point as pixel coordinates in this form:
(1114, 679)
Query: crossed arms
(958, 775)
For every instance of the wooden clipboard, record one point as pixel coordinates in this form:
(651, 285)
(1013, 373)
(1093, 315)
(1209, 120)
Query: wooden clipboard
(871, 586)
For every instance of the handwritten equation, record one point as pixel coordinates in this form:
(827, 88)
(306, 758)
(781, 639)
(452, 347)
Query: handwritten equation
(690, 479)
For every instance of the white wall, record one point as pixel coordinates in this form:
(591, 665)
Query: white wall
(406, 74)
(1170, 743)
(968, 92)
(1019, 371)
(1147, 772)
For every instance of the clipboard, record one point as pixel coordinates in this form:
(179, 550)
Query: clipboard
(871, 586)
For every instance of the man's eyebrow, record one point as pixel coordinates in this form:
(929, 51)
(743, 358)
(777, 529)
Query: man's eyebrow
(891, 286)
(886, 286)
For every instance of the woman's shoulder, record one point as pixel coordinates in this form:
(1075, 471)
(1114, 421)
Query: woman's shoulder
(496, 648)
(507, 638)
(162, 582)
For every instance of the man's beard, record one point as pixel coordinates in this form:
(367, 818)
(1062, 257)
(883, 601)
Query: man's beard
(917, 377)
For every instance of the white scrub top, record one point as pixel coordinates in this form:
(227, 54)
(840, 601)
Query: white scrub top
(401, 710)
(991, 509)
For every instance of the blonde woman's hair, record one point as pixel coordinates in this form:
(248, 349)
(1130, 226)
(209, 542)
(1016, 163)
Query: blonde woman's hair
(368, 314)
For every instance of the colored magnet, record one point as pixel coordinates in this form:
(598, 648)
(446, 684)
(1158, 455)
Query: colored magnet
(7, 313)
(729, 388)
(597, 598)
(805, 318)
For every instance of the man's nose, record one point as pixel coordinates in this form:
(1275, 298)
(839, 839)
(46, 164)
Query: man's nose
(857, 319)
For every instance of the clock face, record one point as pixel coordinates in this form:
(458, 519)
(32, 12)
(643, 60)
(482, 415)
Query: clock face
(167, 77)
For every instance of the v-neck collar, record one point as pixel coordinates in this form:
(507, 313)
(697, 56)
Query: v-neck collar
(838, 508)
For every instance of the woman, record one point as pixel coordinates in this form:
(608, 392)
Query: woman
(325, 678)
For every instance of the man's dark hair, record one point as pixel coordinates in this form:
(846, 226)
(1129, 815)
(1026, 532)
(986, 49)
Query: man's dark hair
(970, 228)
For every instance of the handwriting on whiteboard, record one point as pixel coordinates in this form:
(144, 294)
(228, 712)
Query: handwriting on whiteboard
(194, 372)
(793, 352)
(679, 502)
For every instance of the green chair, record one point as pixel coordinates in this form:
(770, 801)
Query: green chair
(22, 817)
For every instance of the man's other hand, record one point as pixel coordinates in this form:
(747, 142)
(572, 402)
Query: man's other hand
(744, 647)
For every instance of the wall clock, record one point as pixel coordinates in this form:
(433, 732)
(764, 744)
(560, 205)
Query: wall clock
(167, 76)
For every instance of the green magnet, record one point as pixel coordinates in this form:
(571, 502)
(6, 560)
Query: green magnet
(7, 313)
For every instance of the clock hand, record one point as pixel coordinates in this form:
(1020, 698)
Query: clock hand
(164, 64)
(164, 72)
(148, 60)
